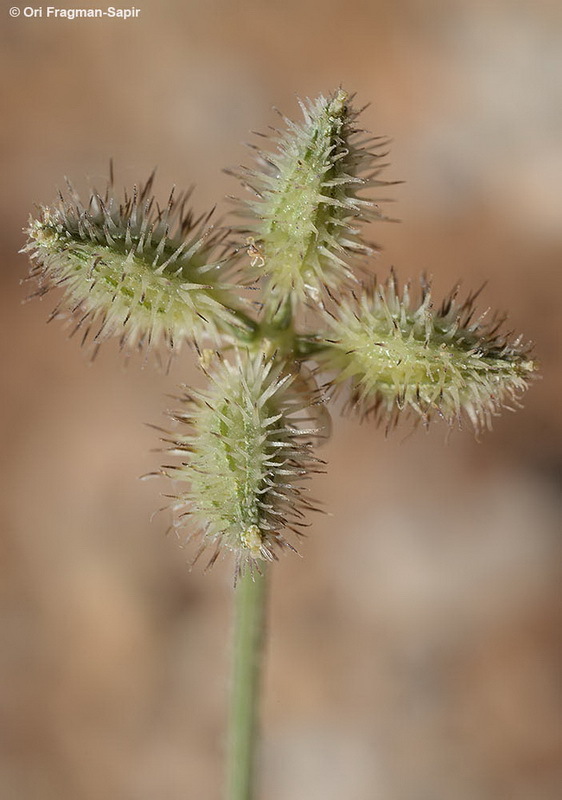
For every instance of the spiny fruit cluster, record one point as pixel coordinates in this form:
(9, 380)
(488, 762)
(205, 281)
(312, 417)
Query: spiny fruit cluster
(397, 355)
(152, 275)
(308, 200)
(248, 453)
(133, 270)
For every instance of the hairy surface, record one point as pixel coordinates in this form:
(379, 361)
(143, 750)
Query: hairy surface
(396, 354)
(132, 270)
(248, 444)
(308, 207)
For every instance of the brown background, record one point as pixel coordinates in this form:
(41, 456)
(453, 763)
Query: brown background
(414, 651)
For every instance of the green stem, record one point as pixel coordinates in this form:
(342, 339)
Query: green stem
(249, 623)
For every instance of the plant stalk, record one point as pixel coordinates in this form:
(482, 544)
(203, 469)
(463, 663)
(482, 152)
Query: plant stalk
(249, 625)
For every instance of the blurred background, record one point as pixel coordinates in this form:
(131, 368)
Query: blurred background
(415, 648)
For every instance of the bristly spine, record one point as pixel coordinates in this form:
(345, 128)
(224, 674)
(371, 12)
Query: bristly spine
(395, 355)
(131, 269)
(247, 445)
(307, 206)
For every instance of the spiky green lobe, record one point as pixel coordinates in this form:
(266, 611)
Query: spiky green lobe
(247, 457)
(131, 269)
(397, 354)
(305, 222)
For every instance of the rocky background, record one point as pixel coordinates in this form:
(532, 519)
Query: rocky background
(415, 648)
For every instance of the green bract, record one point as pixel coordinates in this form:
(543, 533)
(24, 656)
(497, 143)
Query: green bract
(247, 453)
(397, 354)
(307, 212)
(132, 270)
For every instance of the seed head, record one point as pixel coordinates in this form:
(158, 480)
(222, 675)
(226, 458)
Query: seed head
(131, 269)
(247, 451)
(396, 354)
(307, 208)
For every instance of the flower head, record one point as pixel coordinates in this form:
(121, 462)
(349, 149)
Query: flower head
(396, 354)
(307, 209)
(131, 269)
(247, 445)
